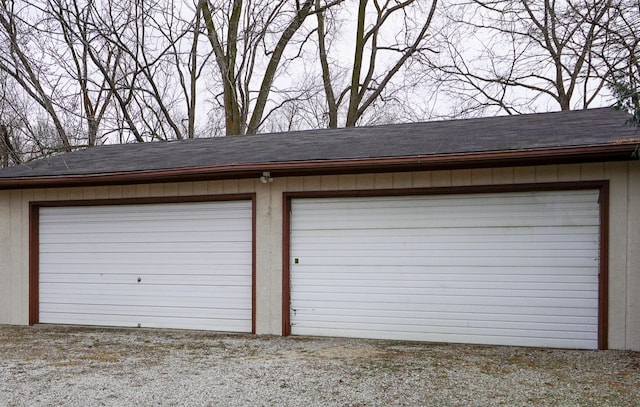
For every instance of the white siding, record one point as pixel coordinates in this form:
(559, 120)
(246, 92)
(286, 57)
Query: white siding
(193, 260)
(509, 268)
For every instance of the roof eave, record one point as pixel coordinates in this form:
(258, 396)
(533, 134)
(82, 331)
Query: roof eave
(515, 158)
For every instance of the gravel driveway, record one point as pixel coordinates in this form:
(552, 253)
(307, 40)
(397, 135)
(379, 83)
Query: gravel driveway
(74, 366)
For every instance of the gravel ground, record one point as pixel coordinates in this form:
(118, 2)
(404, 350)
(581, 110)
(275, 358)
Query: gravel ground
(76, 366)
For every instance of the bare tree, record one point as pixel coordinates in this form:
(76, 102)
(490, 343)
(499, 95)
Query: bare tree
(389, 36)
(249, 39)
(620, 52)
(508, 55)
(19, 37)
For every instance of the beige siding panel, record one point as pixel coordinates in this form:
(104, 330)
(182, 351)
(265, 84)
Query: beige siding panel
(215, 187)
(422, 179)
(461, 177)
(592, 172)
(295, 183)
(329, 182)
(347, 181)
(156, 189)
(482, 176)
(441, 179)
(546, 173)
(129, 191)
(51, 194)
(230, 186)
(6, 268)
(365, 181)
(115, 192)
(89, 193)
(569, 172)
(263, 258)
(402, 180)
(523, 175)
(275, 262)
(617, 254)
(170, 189)
(502, 175)
(18, 255)
(633, 259)
(247, 184)
(383, 181)
(311, 184)
(185, 189)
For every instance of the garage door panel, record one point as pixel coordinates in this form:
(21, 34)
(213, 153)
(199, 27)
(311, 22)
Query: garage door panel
(145, 258)
(201, 280)
(143, 247)
(419, 300)
(91, 238)
(148, 264)
(454, 272)
(449, 324)
(395, 261)
(424, 261)
(459, 313)
(419, 280)
(146, 269)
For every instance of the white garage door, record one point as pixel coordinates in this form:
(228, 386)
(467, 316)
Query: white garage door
(496, 268)
(175, 265)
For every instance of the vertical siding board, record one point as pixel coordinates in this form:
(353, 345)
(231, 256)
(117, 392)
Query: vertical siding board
(6, 256)
(365, 181)
(143, 190)
(383, 181)
(170, 189)
(185, 188)
(27, 197)
(215, 187)
(569, 172)
(481, 176)
(523, 175)
(422, 180)
(115, 191)
(546, 173)
(461, 177)
(618, 223)
(592, 172)
(294, 183)
(441, 178)
(18, 293)
(51, 194)
(247, 185)
(230, 186)
(129, 191)
(89, 193)
(263, 257)
(311, 183)
(402, 179)
(275, 259)
(156, 190)
(329, 182)
(502, 175)
(347, 181)
(633, 258)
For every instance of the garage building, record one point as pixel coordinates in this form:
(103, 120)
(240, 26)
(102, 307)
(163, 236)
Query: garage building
(520, 230)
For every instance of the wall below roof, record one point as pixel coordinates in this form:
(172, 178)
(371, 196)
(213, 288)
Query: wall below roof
(624, 225)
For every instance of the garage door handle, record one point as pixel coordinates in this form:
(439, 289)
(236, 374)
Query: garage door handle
(139, 279)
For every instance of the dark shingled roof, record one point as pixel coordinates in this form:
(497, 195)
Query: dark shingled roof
(603, 129)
